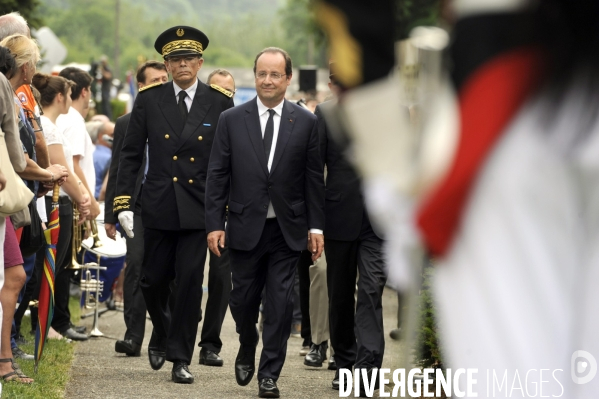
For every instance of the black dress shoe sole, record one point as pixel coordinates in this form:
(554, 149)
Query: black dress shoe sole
(213, 363)
(134, 354)
(156, 365)
(246, 381)
(312, 364)
(332, 366)
(118, 348)
(268, 395)
(180, 380)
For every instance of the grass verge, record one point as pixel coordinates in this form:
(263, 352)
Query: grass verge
(54, 368)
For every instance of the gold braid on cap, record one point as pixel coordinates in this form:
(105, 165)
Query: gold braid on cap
(182, 45)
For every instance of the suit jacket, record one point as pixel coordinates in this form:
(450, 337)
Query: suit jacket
(344, 207)
(238, 173)
(120, 129)
(174, 190)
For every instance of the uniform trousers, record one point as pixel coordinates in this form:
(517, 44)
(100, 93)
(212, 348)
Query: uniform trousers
(177, 255)
(135, 305)
(314, 298)
(219, 288)
(271, 266)
(357, 334)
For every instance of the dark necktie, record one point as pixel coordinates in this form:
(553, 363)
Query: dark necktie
(182, 105)
(269, 132)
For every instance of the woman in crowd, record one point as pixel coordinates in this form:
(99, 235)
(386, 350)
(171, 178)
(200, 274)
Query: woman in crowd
(11, 255)
(55, 94)
(21, 55)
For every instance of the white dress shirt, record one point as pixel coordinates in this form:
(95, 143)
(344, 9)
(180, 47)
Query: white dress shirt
(263, 114)
(191, 92)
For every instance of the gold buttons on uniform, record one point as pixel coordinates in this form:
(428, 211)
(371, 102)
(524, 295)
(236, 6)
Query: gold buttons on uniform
(190, 181)
(192, 159)
(175, 179)
(166, 136)
(175, 158)
(200, 138)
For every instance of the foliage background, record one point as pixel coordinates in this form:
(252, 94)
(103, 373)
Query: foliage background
(238, 28)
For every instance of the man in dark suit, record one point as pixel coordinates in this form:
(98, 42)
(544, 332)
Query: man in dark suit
(176, 121)
(352, 246)
(265, 164)
(148, 73)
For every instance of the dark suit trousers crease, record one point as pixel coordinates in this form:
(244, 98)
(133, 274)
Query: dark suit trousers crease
(219, 288)
(303, 271)
(357, 337)
(135, 305)
(180, 256)
(270, 265)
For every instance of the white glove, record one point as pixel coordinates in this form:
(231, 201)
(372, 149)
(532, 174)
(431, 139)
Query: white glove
(126, 220)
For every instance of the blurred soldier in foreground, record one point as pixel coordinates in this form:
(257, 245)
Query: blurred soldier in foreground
(514, 218)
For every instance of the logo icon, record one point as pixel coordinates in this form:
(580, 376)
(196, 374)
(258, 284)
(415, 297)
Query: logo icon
(180, 32)
(583, 367)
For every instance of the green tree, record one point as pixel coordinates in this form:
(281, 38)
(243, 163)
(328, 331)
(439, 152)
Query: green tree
(305, 40)
(27, 8)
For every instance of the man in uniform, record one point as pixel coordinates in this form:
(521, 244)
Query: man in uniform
(151, 72)
(177, 121)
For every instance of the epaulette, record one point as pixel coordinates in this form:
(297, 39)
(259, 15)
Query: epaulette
(224, 91)
(150, 86)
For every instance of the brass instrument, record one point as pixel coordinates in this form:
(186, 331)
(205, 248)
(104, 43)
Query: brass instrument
(93, 287)
(76, 239)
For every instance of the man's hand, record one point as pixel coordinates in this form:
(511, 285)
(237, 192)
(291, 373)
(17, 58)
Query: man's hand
(126, 220)
(110, 230)
(216, 239)
(315, 245)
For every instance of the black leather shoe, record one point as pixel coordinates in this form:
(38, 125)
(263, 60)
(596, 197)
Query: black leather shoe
(317, 355)
(74, 335)
(336, 381)
(157, 358)
(267, 388)
(210, 358)
(127, 347)
(332, 363)
(362, 389)
(79, 329)
(181, 374)
(245, 365)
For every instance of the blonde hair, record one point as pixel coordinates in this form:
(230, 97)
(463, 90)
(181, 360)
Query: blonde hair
(24, 49)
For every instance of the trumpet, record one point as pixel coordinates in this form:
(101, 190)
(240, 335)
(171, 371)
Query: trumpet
(76, 239)
(93, 287)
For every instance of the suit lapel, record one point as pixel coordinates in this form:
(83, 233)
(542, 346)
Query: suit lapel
(168, 107)
(285, 128)
(252, 123)
(197, 113)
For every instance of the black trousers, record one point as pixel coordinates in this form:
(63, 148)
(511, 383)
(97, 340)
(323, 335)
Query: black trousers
(219, 288)
(135, 305)
(179, 256)
(62, 274)
(303, 270)
(358, 341)
(270, 265)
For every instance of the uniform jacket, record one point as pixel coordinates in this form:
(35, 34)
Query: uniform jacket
(120, 129)
(238, 174)
(344, 207)
(174, 190)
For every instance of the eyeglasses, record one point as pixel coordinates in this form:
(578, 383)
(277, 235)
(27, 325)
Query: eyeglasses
(273, 75)
(176, 60)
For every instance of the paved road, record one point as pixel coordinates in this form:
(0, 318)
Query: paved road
(99, 372)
